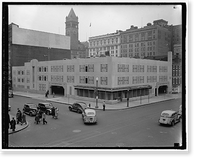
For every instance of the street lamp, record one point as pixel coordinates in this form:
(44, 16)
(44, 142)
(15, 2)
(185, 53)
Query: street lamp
(97, 92)
(128, 98)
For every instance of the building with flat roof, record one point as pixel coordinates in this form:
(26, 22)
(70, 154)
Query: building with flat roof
(25, 45)
(151, 40)
(111, 78)
(108, 44)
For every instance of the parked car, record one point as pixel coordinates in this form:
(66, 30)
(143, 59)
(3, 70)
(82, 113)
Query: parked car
(10, 93)
(30, 109)
(46, 107)
(89, 116)
(169, 117)
(78, 107)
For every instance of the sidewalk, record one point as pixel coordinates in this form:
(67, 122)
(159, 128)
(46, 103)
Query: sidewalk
(117, 106)
(18, 128)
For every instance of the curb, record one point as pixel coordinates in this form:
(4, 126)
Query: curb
(19, 129)
(60, 102)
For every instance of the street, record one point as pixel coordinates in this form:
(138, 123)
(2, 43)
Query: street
(135, 127)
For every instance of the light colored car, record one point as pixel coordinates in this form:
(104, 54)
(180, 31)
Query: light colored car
(169, 117)
(89, 116)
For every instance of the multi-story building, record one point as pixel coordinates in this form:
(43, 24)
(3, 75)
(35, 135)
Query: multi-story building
(108, 44)
(111, 77)
(177, 67)
(151, 40)
(25, 45)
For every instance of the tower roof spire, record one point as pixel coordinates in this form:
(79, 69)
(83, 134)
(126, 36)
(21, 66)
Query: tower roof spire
(72, 14)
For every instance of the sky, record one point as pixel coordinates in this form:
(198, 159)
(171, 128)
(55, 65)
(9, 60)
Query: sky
(104, 19)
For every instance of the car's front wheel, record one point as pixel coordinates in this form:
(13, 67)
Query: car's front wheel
(172, 123)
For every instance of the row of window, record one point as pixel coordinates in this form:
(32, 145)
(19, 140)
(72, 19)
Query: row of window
(176, 73)
(137, 45)
(43, 69)
(56, 78)
(106, 48)
(42, 87)
(86, 68)
(104, 42)
(57, 68)
(140, 79)
(136, 37)
(43, 78)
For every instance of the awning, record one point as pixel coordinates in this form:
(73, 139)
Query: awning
(113, 89)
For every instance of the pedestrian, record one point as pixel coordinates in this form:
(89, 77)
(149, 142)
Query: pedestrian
(47, 93)
(89, 105)
(24, 118)
(44, 118)
(53, 112)
(53, 94)
(13, 124)
(19, 116)
(37, 119)
(104, 106)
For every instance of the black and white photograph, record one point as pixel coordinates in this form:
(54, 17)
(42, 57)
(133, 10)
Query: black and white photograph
(94, 76)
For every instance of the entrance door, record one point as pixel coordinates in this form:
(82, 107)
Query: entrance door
(57, 90)
(155, 91)
(162, 89)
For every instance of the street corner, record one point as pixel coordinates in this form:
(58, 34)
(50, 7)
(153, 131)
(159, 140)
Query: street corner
(18, 128)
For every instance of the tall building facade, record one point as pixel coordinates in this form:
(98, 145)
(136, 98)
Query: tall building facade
(78, 50)
(108, 44)
(25, 45)
(71, 29)
(109, 78)
(151, 40)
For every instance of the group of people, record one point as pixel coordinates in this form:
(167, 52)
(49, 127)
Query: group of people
(40, 115)
(20, 119)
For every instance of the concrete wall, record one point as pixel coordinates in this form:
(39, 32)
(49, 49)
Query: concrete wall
(28, 37)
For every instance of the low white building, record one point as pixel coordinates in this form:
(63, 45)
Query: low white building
(111, 78)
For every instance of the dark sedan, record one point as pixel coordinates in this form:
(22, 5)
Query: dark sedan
(78, 107)
(30, 109)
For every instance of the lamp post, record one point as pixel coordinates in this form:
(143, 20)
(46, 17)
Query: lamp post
(97, 92)
(128, 98)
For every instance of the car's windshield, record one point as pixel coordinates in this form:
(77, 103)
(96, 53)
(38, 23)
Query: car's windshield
(90, 113)
(32, 105)
(166, 115)
(49, 105)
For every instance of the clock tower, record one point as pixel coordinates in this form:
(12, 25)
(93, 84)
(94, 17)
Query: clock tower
(71, 29)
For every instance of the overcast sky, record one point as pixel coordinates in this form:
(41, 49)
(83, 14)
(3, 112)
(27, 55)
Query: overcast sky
(104, 19)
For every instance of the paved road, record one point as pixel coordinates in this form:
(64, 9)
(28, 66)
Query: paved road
(136, 127)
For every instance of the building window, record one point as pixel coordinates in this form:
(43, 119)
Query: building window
(123, 68)
(104, 80)
(104, 67)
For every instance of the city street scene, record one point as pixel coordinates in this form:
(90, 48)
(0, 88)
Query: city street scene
(95, 77)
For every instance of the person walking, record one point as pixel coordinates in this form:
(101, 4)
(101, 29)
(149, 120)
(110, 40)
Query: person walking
(89, 105)
(19, 116)
(24, 118)
(104, 106)
(44, 118)
(13, 124)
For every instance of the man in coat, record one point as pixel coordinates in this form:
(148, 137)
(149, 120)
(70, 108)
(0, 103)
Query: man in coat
(13, 124)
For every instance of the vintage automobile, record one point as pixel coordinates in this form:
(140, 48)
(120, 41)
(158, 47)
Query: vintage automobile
(169, 117)
(46, 107)
(78, 107)
(30, 109)
(89, 116)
